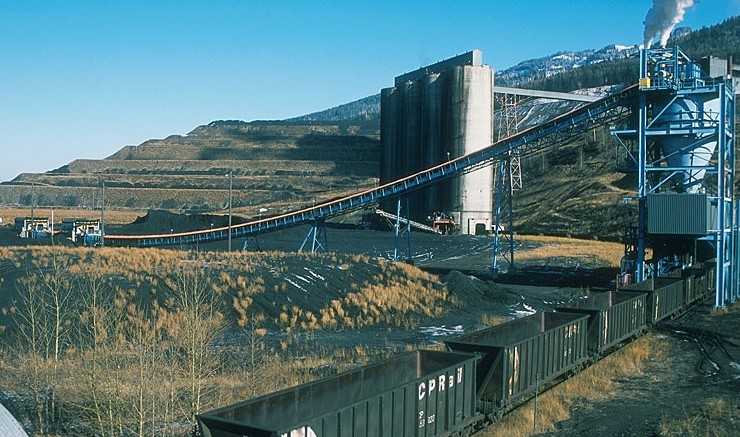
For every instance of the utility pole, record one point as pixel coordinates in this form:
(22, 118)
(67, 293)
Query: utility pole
(33, 197)
(102, 216)
(231, 187)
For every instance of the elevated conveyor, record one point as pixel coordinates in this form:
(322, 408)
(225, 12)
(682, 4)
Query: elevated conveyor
(548, 134)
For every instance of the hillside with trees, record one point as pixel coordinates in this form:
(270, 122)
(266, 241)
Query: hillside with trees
(721, 40)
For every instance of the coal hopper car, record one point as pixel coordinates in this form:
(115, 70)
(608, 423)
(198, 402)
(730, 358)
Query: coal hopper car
(665, 297)
(420, 393)
(519, 356)
(613, 317)
(484, 374)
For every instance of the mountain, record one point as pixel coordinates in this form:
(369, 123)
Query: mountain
(364, 109)
(368, 108)
(532, 69)
(275, 164)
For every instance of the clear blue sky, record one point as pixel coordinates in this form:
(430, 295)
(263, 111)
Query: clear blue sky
(81, 79)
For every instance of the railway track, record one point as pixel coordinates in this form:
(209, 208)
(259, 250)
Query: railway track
(712, 346)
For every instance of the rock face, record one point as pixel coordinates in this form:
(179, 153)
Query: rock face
(276, 164)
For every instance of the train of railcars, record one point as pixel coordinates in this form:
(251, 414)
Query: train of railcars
(482, 376)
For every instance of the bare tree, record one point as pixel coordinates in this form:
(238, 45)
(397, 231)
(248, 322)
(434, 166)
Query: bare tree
(103, 349)
(32, 348)
(193, 319)
(252, 326)
(42, 317)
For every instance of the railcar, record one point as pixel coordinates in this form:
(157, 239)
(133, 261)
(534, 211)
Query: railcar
(699, 283)
(612, 318)
(421, 393)
(665, 297)
(523, 354)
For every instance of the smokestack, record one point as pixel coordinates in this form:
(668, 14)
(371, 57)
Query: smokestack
(662, 18)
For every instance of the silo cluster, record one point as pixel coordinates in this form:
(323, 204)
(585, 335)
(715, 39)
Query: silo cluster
(434, 114)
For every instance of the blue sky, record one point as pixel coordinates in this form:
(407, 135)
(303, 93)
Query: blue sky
(81, 79)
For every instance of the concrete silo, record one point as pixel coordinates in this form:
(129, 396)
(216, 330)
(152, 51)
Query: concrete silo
(435, 113)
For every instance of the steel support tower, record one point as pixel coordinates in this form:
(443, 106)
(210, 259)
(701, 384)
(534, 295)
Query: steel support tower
(683, 150)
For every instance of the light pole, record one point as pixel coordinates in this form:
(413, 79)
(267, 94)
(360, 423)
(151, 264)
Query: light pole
(102, 215)
(231, 186)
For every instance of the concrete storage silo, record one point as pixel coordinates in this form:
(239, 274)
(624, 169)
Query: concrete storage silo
(433, 148)
(439, 112)
(388, 120)
(471, 96)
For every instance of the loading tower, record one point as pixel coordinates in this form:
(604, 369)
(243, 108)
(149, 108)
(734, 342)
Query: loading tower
(683, 152)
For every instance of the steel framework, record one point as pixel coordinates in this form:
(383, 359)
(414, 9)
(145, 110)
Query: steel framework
(669, 79)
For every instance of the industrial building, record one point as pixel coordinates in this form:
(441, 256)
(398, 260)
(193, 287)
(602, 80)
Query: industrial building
(719, 67)
(435, 114)
(683, 150)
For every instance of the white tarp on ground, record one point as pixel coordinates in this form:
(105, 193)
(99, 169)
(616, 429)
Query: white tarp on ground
(9, 427)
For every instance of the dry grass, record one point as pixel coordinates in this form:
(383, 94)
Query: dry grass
(604, 251)
(381, 292)
(594, 384)
(729, 310)
(493, 319)
(716, 418)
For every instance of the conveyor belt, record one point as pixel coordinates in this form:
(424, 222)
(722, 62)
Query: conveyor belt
(548, 134)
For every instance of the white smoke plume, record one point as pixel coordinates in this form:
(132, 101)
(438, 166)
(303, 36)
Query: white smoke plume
(662, 18)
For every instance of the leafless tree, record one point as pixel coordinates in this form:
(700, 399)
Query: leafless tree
(193, 319)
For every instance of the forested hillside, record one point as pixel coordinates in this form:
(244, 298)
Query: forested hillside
(720, 41)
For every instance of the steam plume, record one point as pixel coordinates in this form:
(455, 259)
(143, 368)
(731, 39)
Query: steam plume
(662, 18)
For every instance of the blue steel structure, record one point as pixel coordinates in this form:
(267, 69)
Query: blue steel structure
(684, 142)
(503, 229)
(551, 133)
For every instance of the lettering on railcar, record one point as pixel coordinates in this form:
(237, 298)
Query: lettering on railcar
(440, 383)
(571, 330)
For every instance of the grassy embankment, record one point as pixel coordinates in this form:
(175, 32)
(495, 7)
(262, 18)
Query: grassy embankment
(115, 341)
